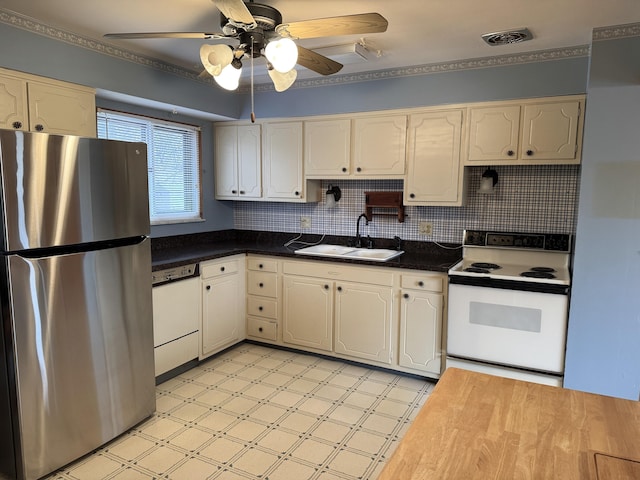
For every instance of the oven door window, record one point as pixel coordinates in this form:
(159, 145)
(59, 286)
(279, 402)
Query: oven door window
(509, 327)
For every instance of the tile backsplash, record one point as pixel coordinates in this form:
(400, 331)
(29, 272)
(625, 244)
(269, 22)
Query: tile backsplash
(527, 199)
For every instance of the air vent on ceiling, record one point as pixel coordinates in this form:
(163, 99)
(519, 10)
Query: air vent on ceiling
(507, 37)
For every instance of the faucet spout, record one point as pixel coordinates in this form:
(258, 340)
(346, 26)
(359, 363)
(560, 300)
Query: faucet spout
(358, 237)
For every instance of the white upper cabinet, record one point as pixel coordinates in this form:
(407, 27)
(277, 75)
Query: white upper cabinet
(545, 131)
(38, 104)
(238, 162)
(379, 146)
(435, 175)
(327, 148)
(283, 164)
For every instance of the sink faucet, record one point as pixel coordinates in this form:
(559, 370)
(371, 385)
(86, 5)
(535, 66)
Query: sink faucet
(358, 237)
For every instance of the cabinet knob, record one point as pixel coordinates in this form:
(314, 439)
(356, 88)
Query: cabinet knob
(339, 289)
(16, 125)
(344, 169)
(412, 195)
(208, 287)
(529, 153)
(326, 287)
(222, 269)
(406, 295)
(241, 192)
(510, 153)
(260, 308)
(261, 284)
(39, 128)
(358, 169)
(234, 191)
(421, 283)
(260, 266)
(260, 329)
(297, 193)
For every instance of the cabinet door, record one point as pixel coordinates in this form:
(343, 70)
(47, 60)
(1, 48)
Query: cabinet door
(327, 148)
(14, 114)
(379, 145)
(249, 161)
(307, 312)
(363, 321)
(434, 173)
(222, 300)
(61, 110)
(550, 131)
(226, 161)
(494, 133)
(421, 331)
(283, 160)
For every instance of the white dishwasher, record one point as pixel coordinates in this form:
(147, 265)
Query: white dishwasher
(176, 314)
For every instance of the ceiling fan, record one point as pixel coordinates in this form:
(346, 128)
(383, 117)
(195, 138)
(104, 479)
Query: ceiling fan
(261, 33)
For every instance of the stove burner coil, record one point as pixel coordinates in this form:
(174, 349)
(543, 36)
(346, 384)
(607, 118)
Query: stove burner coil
(538, 274)
(485, 266)
(476, 270)
(543, 269)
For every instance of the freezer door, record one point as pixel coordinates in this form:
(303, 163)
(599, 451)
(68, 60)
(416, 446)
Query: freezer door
(66, 190)
(83, 333)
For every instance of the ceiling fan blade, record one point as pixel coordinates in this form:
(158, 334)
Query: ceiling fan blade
(316, 62)
(334, 26)
(236, 11)
(197, 35)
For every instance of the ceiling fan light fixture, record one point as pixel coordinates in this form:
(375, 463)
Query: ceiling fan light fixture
(229, 77)
(215, 58)
(282, 81)
(282, 54)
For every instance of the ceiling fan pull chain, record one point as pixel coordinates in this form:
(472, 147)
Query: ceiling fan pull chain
(253, 115)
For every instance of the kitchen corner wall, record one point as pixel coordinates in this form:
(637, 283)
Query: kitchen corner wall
(527, 199)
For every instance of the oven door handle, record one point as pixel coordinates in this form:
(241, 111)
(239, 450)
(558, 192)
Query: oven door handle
(523, 286)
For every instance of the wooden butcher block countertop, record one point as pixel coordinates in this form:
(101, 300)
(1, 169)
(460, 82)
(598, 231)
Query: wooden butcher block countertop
(477, 426)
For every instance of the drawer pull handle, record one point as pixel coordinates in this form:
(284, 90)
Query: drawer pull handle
(260, 329)
(421, 283)
(260, 266)
(260, 308)
(261, 285)
(222, 269)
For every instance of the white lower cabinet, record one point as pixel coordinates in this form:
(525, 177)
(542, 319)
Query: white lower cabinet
(223, 304)
(263, 293)
(363, 319)
(421, 317)
(176, 323)
(307, 316)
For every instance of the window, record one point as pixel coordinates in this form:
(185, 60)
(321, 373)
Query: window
(173, 156)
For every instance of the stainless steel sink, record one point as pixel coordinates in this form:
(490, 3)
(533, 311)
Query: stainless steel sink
(339, 251)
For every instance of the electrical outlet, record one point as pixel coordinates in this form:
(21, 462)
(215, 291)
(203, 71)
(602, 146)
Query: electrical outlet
(425, 228)
(305, 222)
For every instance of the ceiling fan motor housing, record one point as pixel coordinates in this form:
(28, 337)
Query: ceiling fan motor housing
(267, 19)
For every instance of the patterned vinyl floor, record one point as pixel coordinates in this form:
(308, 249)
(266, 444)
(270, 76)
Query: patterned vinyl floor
(256, 412)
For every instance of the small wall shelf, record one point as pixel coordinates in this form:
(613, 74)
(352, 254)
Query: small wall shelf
(384, 200)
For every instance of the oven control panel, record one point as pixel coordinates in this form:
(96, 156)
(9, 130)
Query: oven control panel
(535, 241)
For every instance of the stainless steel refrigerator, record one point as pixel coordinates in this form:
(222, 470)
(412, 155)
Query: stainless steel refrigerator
(76, 364)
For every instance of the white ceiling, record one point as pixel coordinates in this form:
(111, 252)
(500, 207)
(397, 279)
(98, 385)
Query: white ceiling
(420, 32)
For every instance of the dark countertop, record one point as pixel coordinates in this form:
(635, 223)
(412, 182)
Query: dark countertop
(169, 252)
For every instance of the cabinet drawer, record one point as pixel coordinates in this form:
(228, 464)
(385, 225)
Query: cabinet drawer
(176, 353)
(372, 275)
(431, 283)
(264, 284)
(216, 269)
(262, 329)
(262, 307)
(262, 264)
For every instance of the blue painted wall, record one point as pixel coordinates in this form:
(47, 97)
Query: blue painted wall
(603, 348)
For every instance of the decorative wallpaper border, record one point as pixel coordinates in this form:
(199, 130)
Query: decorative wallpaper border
(617, 31)
(27, 23)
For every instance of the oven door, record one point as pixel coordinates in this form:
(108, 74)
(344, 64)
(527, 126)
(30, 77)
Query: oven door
(508, 327)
